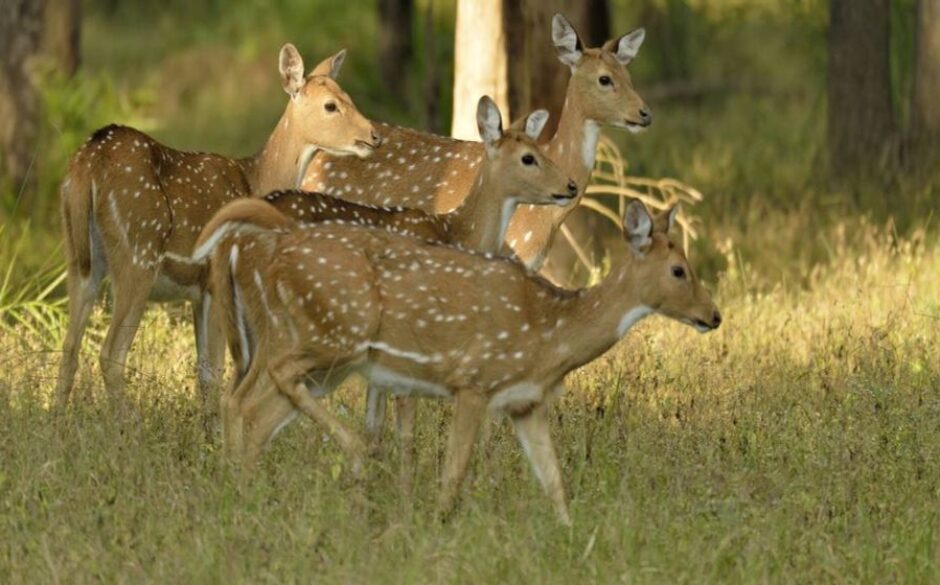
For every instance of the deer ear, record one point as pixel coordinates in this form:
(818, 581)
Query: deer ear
(664, 222)
(627, 46)
(535, 123)
(331, 65)
(489, 121)
(567, 43)
(637, 226)
(291, 67)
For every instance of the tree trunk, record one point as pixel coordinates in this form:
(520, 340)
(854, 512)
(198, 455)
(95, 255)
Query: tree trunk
(861, 127)
(925, 106)
(432, 75)
(61, 35)
(479, 63)
(20, 36)
(30, 30)
(596, 18)
(536, 78)
(395, 44)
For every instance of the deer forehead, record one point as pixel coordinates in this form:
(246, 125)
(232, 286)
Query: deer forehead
(321, 85)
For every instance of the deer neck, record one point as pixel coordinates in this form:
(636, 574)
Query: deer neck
(480, 223)
(573, 148)
(282, 161)
(574, 145)
(592, 320)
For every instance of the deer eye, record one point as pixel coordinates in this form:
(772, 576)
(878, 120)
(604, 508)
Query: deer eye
(330, 107)
(605, 80)
(528, 160)
(678, 271)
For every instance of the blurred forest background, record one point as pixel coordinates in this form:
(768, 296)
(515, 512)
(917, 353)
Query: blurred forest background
(791, 116)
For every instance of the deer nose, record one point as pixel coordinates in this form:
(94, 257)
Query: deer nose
(716, 320)
(572, 187)
(376, 139)
(646, 116)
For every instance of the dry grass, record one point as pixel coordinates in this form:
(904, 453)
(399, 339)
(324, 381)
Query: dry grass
(799, 443)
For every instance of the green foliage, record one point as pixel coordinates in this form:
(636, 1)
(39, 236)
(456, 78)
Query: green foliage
(28, 306)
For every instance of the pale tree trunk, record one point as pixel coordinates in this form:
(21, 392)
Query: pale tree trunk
(395, 44)
(479, 63)
(925, 106)
(861, 116)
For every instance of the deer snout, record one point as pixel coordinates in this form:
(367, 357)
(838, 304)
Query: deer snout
(646, 116)
(569, 195)
(716, 319)
(376, 138)
(709, 323)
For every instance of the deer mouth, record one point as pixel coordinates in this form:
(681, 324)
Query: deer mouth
(563, 198)
(701, 326)
(635, 127)
(363, 149)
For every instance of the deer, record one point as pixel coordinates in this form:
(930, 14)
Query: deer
(432, 320)
(424, 171)
(514, 172)
(132, 209)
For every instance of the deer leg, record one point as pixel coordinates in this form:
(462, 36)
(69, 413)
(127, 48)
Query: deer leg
(533, 433)
(289, 376)
(230, 405)
(130, 291)
(263, 413)
(376, 402)
(210, 353)
(406, 408)
(82, 295)
(468, 414)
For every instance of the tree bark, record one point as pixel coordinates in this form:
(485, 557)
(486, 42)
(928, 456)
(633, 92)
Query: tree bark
(61, 34)
(432, 75)
(925, 106)
(20, 38)
(479, 63)
(395, 44)
(595, 14)
(536, 78)
(30, 30)
(861, 126)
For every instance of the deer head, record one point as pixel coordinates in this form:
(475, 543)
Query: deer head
(600, 76)
(515, 161)
(668, 285)
(320, 106)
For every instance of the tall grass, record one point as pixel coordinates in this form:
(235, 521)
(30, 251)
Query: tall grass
(798, 443)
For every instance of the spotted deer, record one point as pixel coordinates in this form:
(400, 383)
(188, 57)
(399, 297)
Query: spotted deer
(432, 320)
(424, 171)
(132, 209)
(514, 171)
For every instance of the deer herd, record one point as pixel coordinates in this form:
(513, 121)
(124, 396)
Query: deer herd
(347, 246)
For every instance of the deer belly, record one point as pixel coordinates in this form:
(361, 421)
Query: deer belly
(166, 289)
(399, 384)
(519, 397)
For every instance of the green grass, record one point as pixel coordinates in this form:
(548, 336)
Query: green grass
(799, 443)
